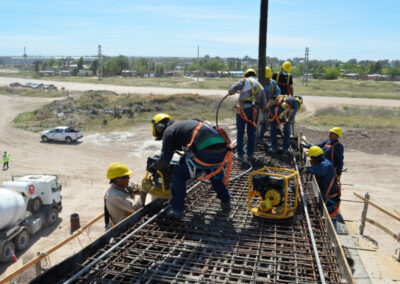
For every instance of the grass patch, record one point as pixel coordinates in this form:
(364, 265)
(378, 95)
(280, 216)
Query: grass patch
(355, 117)
(30, 92)
(104, 111)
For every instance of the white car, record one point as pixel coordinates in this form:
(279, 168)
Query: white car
(61, 133)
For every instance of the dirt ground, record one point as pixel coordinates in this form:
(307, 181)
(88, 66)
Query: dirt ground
(371, 159)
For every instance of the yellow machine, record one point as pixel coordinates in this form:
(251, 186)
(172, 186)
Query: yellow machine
(162, 180)
(269, 194)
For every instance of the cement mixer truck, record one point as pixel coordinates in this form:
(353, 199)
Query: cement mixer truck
(27, 204)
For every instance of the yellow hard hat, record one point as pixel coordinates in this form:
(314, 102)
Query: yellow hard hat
(315, 151)
(299, 99)
(337, 130)
(268, 72)
(287, 66)
(156, 125)
(248, 71)
(116, 170)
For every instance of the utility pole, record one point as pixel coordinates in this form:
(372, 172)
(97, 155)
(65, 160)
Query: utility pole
(262, 45)
(305, 69)
(198, 62)
(25, 57)
(100, 59)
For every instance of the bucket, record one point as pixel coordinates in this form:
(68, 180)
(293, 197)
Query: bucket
(75, 225)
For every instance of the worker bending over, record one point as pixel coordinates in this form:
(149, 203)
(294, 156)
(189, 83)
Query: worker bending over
(120, 200)
(283, 113)
(325, 174)
(333, 149)
(271, 90)
(206, 151)
(251, 99)
(284, 79)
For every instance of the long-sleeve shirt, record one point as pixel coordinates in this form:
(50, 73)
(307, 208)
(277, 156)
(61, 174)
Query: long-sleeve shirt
(333, 151)
(120, 204)
(179, 134)
(325, 174)
(271, 89)
(244, 87)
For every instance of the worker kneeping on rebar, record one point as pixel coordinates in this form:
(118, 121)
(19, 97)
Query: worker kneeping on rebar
(121, 199)
(325, 173)
(251, 100)
(283, 113)
(207, 155)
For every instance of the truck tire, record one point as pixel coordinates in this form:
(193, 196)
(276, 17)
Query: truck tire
(45, 138)
(21, 241)
(69, 140)
(36, 205)
(5, 255)
(52, 217)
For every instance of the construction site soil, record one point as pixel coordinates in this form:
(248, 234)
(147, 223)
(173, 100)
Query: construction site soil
(371, 159)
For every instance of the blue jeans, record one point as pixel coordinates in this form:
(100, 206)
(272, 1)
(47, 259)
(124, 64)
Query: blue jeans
(274, 138)
(181, 175)
(251, 133)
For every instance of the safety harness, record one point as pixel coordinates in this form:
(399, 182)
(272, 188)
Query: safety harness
(250, 99)
(284, 84)
(329, 197)
(275, 116)
(107, 216)
(194, 163)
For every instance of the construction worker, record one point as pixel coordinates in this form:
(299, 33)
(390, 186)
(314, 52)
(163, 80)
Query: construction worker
(333, 149)
(284, 79)
(325, 173)
(271, 90)
(251, 99)
(6, 158)
(206, 151)
(120, 200)
(282, 113)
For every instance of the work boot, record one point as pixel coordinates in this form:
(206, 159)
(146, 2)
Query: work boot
(272, 151)
(175, 214)
(226, 206)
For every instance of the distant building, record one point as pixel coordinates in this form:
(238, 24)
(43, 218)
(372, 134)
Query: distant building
(354, 76)
(47, 73)
(128, 73)
(85, 73)
(65, 73)
(378, 77)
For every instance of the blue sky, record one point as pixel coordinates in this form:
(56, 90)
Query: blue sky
(361, 29)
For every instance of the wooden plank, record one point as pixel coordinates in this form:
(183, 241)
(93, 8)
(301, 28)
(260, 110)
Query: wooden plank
(377, 207)
(383, 228)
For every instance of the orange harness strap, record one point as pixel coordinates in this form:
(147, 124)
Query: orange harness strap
(227, 159)
(244, 117)
(275, 116)
(337, 194)
(284, 84)
(331, 146)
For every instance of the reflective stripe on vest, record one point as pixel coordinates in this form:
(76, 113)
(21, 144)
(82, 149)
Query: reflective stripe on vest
(253, 91)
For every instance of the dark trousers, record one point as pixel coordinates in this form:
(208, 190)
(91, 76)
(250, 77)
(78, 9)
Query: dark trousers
(4, 165)
(251, 133)
(181, 174)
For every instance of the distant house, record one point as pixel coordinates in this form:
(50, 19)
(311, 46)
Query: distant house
(85, 73)
(377, 77)
(237, 74)
(354, 76)
(65, 73)
(48, 73)
(128, 73)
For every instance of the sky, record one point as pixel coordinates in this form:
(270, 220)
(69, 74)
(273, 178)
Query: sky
(332, 29)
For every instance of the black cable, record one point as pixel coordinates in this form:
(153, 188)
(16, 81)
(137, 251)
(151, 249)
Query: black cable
(219, 104)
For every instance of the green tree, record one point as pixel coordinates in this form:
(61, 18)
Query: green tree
(331, 73)
(115, 65)
(94, 65)
(159, 70)
(80, 63)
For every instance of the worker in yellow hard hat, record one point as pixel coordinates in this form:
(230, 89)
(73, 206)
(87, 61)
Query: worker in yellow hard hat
(271, 90)
(333, 149)
(251, 100)
(325, 173)
(206, 152)
(121, 199)
(284, 79)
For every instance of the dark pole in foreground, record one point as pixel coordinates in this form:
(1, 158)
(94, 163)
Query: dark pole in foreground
(262, 45)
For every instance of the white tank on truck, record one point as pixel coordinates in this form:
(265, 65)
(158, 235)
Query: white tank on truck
(27, 204)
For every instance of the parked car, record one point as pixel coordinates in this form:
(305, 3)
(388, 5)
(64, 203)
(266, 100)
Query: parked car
(61, 133)
(15, 85)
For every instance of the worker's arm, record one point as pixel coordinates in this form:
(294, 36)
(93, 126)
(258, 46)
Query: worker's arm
(237, 87)
(318, 170)
(277, 90)
(126, 203)
(338, 154)
(290, 87)
(167, 150)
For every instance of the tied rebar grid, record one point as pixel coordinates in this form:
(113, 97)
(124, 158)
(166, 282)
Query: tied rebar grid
(213, 246)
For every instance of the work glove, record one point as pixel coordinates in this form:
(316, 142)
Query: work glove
(231, 92)
(147, 184)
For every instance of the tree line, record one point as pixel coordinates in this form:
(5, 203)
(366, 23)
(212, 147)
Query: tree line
(325, 69)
